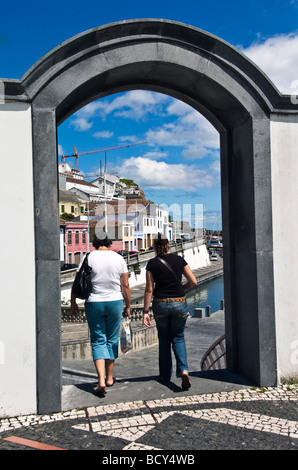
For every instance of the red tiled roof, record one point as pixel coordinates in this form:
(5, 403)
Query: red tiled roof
(78, 181)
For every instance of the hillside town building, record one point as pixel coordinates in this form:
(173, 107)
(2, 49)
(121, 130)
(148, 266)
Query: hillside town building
(106, 203)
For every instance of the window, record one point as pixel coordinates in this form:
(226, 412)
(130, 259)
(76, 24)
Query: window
(62, 208)
(69, 238)
(82, 209)
(72, 209)
(84, 237)
(77, 237)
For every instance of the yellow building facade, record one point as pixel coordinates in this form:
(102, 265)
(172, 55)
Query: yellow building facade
(69, 203)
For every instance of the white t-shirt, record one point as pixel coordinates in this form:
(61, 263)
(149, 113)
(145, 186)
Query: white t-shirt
(107, 267)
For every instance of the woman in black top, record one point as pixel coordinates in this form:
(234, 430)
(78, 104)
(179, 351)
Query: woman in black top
(163, 281)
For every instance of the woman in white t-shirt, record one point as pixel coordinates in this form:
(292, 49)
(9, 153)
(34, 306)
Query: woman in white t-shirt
(104, 307)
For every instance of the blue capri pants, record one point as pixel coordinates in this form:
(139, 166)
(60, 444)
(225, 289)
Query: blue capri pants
(104, 320)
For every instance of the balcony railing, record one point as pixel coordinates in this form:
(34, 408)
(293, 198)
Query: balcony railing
(215, 356)
(136, 315)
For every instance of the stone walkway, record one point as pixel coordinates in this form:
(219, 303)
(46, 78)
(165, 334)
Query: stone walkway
(254, 418)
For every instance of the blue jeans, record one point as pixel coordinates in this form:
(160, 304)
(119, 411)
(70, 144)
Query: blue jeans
(170, 318)
(104, 320)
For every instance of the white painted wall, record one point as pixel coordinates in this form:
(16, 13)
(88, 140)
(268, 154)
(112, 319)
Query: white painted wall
(284, 148)
(197, 257)
(17, 319)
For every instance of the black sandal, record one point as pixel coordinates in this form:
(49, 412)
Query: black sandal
(100, 393)
(111, 385)
(186, 384)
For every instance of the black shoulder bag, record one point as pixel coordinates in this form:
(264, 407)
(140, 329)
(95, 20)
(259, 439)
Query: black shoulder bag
(82, 285)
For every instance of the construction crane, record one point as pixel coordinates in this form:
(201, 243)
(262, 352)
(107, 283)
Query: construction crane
(77, 155)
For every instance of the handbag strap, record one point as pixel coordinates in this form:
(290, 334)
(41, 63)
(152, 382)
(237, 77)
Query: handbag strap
(85, 263)
(170, 268)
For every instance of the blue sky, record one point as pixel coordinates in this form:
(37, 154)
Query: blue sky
(180, 162)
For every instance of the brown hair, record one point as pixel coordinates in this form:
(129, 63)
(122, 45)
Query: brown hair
(161, 245)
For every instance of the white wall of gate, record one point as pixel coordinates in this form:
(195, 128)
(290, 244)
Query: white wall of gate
(17, 319)
(284, 169)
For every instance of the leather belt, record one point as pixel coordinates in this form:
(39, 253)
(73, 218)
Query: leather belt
(171, 299)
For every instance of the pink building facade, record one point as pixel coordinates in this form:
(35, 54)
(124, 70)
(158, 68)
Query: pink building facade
(76, 242)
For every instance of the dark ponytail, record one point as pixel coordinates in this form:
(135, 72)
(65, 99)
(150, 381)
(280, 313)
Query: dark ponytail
(161, 246)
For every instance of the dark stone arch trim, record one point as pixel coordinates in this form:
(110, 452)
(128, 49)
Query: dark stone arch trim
(98, 39)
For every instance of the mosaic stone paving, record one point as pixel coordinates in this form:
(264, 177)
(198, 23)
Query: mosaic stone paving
(245, 419)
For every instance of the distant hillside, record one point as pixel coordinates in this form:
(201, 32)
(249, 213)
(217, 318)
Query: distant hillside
(130, 183)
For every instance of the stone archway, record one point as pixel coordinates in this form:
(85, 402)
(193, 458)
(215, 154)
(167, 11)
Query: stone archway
(214, 78)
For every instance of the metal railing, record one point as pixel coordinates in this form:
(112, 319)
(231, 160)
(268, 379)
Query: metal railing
(215, 356)
(136, 315)
(138, 257)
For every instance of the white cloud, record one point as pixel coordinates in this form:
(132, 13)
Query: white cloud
(190, 130)
(81, 124)
(103, 134)
(179, 108)
(155, 155)
(154, 174)
(128, 138)
(60, 150)
(137, 104)
(187, 128)
(90, 109)
(278, 58)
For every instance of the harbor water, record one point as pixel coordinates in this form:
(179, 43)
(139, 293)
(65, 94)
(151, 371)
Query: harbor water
(208, 293)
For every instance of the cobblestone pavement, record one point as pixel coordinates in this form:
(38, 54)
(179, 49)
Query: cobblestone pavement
(247, 419)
